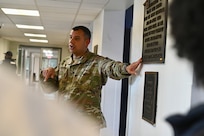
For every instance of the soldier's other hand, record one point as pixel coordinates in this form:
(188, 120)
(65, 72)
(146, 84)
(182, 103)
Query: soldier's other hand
(48, 73)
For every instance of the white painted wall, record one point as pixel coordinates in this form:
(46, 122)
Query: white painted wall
(97, 34)
(174, 85)
(113, 40)
(4, 47)
(109, 35)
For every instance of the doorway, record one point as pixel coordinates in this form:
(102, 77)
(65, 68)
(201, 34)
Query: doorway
(31, 60)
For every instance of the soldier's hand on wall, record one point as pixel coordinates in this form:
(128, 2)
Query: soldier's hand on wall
(131, 69)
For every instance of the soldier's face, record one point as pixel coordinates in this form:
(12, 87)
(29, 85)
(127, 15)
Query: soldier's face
(78, 43)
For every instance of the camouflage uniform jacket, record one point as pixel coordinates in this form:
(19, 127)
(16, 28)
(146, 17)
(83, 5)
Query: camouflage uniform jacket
(81, 81)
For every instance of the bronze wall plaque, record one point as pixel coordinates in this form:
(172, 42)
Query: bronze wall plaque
(154, 31)
(150, 97)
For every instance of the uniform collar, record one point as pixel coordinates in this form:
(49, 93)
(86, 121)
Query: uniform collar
(82, 59)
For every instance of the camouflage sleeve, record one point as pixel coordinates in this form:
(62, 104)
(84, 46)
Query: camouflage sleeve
(114, 69)
(51, 85)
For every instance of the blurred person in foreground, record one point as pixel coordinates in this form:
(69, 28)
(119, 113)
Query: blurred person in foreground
(187, 27)
(8, 62)
(26, 113)
(82, 75)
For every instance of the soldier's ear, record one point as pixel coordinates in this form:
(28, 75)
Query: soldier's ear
(87, 41)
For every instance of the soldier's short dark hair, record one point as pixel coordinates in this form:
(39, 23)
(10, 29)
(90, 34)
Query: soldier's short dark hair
(187, 28)
(84, 29)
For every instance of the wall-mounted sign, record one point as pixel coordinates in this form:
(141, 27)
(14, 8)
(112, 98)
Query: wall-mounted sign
(96, 49)
(154, 32)
(150, 97)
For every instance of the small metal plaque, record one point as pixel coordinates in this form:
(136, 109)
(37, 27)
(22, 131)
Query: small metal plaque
(150, 97)
(154, 31)
(96, 49)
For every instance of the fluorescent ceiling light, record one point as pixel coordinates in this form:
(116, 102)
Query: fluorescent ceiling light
(34, 35)
(20, 12)
(37, 40)
(30, 27)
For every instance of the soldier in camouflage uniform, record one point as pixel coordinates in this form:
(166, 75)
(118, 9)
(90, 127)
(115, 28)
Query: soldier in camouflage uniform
(80, 77)
(8, 63)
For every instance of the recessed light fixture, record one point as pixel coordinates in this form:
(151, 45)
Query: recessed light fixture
(38, 40)
(34, 35)
(30, 27)
(20, 12)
